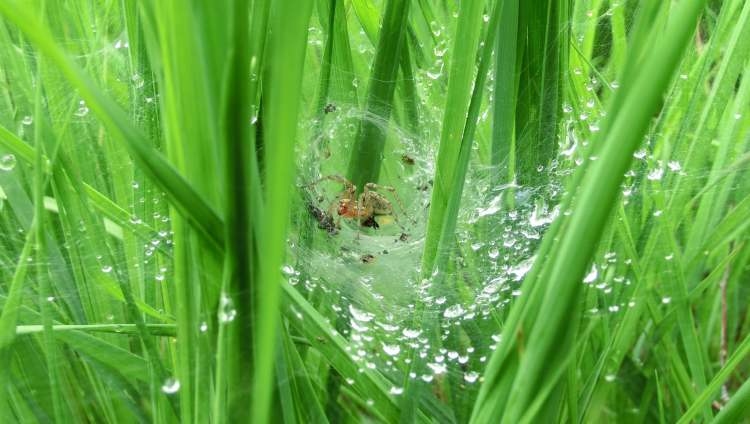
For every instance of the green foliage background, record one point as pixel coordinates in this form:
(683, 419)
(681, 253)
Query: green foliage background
(158, 166)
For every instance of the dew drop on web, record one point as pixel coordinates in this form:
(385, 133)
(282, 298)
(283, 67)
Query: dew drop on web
(7, 162)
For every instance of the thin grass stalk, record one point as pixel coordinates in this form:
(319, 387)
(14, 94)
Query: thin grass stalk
(44, 289)
(506, 77)
(9, 318)
(456, 106)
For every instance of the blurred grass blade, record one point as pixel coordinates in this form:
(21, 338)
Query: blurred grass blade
(286, 64)
(743, 350)
(153, 163)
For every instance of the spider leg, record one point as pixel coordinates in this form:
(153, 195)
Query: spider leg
(373, 187)
(362, 210)
(349, 187)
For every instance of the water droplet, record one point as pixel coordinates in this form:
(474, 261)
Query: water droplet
(438, 367)
(107, 269)
(171, 386)
(592, 275)
(360, 315)
(204, 327)
(27, 120)
(396, 390)
(227, 313)
(137, 80)
(655, 174)
(435, 28)
(435, 75)
(411, 334)
(7, 162)
(391, 350)
(82, 109)
(666, 300)
(609, 378)
(492, 208)
(454, 311)
(540, 216)
(520, 270)
(471, 377)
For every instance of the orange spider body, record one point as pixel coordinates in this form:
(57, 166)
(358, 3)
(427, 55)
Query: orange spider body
(349, 209)
(365, 207)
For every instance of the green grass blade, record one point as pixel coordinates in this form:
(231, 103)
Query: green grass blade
(286, 64)
(456, 106)
(367, 154)
(585, 224)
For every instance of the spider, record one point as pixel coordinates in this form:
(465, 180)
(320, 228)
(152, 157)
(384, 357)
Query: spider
(366, 207)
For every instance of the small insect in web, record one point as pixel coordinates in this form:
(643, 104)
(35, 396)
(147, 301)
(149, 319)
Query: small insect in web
(365, 208)
(325, 220)
(329, 108)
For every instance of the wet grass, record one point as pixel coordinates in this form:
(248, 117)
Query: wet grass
(572, 247)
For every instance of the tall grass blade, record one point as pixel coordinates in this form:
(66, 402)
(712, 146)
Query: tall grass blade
(367, 154)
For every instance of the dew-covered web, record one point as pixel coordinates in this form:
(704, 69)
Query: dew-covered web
(368, 281)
